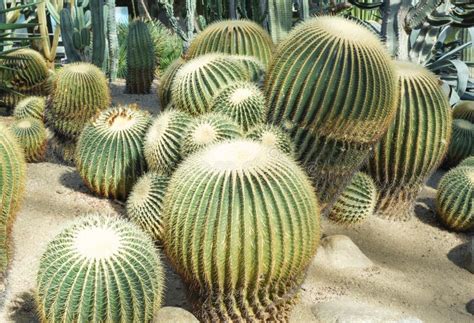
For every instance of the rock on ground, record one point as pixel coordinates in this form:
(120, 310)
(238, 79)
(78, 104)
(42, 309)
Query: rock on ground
(175, 315)
(469, 261)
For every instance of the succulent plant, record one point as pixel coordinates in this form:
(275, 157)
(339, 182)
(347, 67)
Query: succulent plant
(141, 62)
(166, 81)
(241, 224)
(462, 143)
(164, 139)
(32, 106)
(255, 68)
(100, 269)
(332, 86)
(273, 137)
(145, 203)
(464, 110)
(469, 161)
(414, 145)
(109, 153)
(208, 129)
(241, 37)
(198, 80)
(455, 199)
(12, 183)
(31, 135)
(244, 102)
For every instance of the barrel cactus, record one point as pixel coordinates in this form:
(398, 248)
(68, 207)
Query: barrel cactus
(462, 143)
(332, 85)
(197, 81)
(414, 145)
(241, 224)
(145, 203)
(467, 162)
(455, 199)
(209, 129)
(141, 61)
(31, 134)
(100, 269)
(32, 106)
(166, 81)
(164, 140)
(464, 110)
(241, 37)
(255, 68)
(109, 153)
(273, 137)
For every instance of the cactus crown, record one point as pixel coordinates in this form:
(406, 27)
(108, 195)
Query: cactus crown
(273, 137)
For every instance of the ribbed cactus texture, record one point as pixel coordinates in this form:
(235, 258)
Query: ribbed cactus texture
(462, 143)
(145, 203)
(332, 85)
(12, 182)
(32, 106)
(208, 129)
(464, 110)
(467, 162)
(31, 135)
(244, 102)
(164, 139)
(109, 154)
(241, 224)
(141, 61)
(100, 269)
(455, 199)
(81, 92)
(415, 143)
(241, 37)
(255, 68)
(272, 136)
(357, 202)
(166, 81)
(197, 81)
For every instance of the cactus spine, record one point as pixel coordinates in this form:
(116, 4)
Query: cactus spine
(467, 162)
(254, 67)
(166, 81)
(464, 110)
(462, 143)
(32, 106)
(273, 137)
(31, 134)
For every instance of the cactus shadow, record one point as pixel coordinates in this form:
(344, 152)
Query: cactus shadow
(425, 211)
(22, 308)
(434, 179)
(72, 180)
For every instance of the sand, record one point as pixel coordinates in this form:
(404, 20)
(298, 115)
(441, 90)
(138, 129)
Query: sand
(417, 268)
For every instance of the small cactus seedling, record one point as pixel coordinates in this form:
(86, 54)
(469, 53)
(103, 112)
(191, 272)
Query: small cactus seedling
(467, 162)
(32, 106)
(273, 137)
(464, 110)
(462, 143)
(31, 134)
(166, 81)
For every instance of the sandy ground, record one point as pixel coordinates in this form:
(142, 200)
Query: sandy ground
(417, 264)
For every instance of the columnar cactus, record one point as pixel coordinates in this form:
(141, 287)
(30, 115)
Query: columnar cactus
(244, 102)
(145, 203)
(32, 106)
(241, 37)
(357, 202)
(462, 143)
(12, 183)
(455, 199)
(467, 162)
(197, 81)
(109, 153)
(464, 110)
(164, 139)
(100, 269)
(166, 81)
(241, 224)
(415, 143)
(32, 137)
(254, 67)
(272, 136)
(333, 86)
(141, 59)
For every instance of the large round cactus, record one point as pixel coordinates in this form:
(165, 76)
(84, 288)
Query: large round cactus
(467, 162)
(333, 86)
(255, 68)
(273, 137)
(462, 143)
(166, 81)
(32, 106)
(415, 143)
(240, 37)
(455, 199)
(31, 134)
(197, 81)
(12, 182)
(109, 153)
(464, 110)
(100, 269)
(241, 224)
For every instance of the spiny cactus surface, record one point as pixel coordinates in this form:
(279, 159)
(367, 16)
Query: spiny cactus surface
(462, 143)
(166, 81)
(464, 110)
(467, 162)
(32, 106)
(32, 137)
(273, 137)
(255, 68)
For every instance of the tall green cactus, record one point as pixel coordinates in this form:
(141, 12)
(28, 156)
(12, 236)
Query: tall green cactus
(99, 34)
(280, 16)
(112, 41)
(75, 30)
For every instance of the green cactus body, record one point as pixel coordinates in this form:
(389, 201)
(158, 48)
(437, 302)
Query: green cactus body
(241, 224)
(273, 137)
(209, 129)
(280, 18)
(100, 269)
(467, 162)
(109, 154)
(464, 110)
(145, 203)
(197, 81)
(462, 143)
(32, 106)
(234, 37)
(140, 59)
(31, 134)
(455, 199)
(414, 145)
(254, 67)
(164, 140)
(30, 71)
(357, 202)
(244, 102)
(332, 86)
(166, 81)
(12, 183)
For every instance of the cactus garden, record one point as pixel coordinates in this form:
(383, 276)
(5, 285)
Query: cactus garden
(236, 161)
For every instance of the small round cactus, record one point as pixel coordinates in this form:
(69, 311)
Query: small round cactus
(455, 199)
(166, 81)
(32, 106)
(462, 143)
(145, 203)
(464, 110)
(244, 102)
(100, 269)
(255, 68)
(467, 162)
(273, 137)
(31, 134)
(164, 140)
(241, 225)
(109, 153)
(208, 129)
(357, 202)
